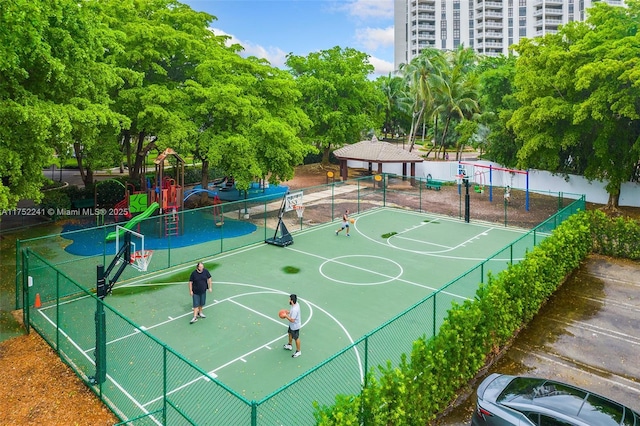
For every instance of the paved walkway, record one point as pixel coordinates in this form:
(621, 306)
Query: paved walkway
(309, 199)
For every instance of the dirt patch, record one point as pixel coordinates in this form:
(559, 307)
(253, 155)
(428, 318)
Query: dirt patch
(38, 389)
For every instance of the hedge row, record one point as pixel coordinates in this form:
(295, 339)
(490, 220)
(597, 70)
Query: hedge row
(618, 237)
(424, 384)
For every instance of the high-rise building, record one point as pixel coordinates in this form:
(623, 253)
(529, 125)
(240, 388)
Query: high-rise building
(490, 27)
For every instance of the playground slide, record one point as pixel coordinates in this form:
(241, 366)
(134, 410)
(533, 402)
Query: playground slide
(133, 222)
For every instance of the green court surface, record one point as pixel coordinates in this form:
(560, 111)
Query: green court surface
(347, 287)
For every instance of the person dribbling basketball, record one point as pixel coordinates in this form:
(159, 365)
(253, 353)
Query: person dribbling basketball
(294, 325)
(345, 222)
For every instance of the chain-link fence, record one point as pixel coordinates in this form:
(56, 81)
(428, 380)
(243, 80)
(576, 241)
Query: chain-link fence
(142, 368)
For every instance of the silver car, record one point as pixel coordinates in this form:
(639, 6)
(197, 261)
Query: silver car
(515, 400)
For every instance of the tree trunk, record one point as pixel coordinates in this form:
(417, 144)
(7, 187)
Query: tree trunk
(415, 127)
(78, 153)
(325, 155)
(89, 177)
(444, 133)
(136, 171)
(614, 199)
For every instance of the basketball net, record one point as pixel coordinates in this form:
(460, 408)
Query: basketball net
(459, 179)
(299, 208)
(140, 259)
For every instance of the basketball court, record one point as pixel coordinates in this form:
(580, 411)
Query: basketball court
(347, 287)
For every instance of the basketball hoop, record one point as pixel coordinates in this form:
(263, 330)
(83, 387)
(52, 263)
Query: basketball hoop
(459, 178)
(299, 208)
(141, 259)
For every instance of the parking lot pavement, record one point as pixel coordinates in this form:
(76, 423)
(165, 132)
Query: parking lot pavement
(588, 334)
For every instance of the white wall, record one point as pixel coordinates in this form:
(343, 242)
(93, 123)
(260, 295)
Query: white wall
(540, 181)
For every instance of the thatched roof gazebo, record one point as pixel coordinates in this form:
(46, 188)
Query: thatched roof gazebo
(374, 151)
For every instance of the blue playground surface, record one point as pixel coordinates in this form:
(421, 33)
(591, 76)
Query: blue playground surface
(225, 193)
(198, 226)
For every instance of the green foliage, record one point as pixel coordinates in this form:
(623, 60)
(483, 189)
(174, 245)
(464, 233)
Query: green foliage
(417, 389)
(577, 92)
(337, 96)
(618, 237)
(389, 234)
(348, 413)
(54, 89)
(55, 199)
(110, 192)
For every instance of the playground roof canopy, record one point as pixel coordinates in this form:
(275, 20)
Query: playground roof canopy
(167, 152)
(376, 152)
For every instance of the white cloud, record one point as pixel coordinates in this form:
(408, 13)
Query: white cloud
(374, 38)
(366, 9)
(274, 55)
(381, 67)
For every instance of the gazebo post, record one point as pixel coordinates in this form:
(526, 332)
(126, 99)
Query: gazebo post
(344, 170)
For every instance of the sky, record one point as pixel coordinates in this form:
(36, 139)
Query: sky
(271, 29)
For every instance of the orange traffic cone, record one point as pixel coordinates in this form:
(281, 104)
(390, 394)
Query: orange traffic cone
(38, 303)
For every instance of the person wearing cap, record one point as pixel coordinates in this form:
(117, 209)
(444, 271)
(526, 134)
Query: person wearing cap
(294, 326)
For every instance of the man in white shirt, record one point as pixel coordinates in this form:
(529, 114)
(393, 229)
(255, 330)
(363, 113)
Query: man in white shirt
(295, 323)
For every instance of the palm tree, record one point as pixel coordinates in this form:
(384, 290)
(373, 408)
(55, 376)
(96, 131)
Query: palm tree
(457, 93)
(422, 75)
(392, 88)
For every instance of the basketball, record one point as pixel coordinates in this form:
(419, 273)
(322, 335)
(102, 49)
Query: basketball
(352, 220)
(283, 313)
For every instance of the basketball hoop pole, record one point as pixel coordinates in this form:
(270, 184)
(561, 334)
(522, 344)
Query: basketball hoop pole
(102, 289)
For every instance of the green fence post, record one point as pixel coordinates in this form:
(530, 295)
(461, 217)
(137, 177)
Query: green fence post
(333, 201)
(254, 413)
(26, 309)
(505, 212)
(560, 202)
(482, 273)
(435, 305)
(18, 274)
(366, 358)
(58, 311)
(385, 180)
(169, 251)
(164, 385)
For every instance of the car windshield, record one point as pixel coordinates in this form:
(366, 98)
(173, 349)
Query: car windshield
(562, 398)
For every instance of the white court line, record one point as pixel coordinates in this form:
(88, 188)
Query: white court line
(268, 344)
(372, 272)
(448, 248)
(176, 318)
(108, 376)
(438, 253)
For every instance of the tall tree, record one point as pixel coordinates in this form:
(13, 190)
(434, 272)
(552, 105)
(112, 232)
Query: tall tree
(497, 102)
(423, 76)
(337, 96)
(163, 41)
(395, 115)
(54, 88)
(579, 93)
(457, 93)
(246, 119)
